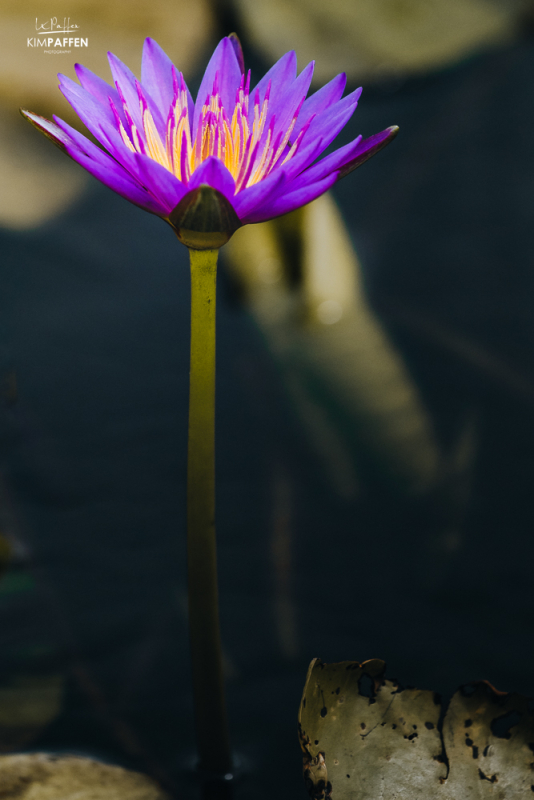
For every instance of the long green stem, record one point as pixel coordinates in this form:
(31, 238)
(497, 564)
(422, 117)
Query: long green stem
(206, 653)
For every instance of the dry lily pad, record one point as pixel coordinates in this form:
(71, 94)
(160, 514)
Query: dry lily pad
(43, 777)
(367, 738)
(489, 738)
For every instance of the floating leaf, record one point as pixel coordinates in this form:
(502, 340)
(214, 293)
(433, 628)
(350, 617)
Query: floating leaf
(489, 738)
(42, 777)
(368, 738)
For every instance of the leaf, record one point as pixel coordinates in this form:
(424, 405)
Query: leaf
(42, 777)
(368, 738)
(489, 737)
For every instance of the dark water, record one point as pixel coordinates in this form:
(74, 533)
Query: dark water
(95, 326)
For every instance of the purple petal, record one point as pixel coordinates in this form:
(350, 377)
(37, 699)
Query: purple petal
(112, 141)
(48, 128)
(146, 101)
(98, 87)
(85, 145)
(236, 44)
(332, 162)
(90, 110)
(347, 158)
(106, 170)
(109, 137)
(223, 61)
(77, 139)
(290, 201)
(328, 124)
(280, 74)
(114, 178)
(259, 193)
(156, 76)
(213, 172)
(161, 183)
(321, 100)
(368, 148)
(304, 156)
(125, 81)
(285, 103)
(122, 157)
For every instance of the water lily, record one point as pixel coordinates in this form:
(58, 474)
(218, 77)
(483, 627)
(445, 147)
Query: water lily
(236, 155)
(257, 147)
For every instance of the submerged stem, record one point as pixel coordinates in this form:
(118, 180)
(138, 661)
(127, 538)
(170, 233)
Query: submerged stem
(206, 654)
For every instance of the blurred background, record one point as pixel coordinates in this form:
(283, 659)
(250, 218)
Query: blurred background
(375, 429)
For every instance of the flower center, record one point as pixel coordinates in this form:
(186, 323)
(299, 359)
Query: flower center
(249, 150)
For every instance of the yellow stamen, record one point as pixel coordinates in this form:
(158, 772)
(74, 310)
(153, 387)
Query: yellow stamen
(285, 140)
(136, 140)
(258, 172)
(232, 141)
(154, 145)
(125, 138)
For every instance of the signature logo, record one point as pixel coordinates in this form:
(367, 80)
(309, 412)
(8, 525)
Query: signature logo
(53, 26)
(48, 38)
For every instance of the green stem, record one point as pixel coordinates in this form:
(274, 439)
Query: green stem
(206, 653)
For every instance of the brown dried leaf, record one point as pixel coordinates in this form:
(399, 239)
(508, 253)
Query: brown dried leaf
(367, 738)
(489, 738)
(42, 777)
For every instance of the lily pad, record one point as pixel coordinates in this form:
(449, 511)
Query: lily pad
(368, 738)
(44, 777)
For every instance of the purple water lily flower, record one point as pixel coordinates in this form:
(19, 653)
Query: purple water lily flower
(257, 147)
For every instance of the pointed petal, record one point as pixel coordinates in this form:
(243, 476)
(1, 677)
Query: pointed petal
(161, 183)
(156, 76)
(368, 148)
(109, 137)
(64, 136)
(236, 43)
(328, 124)
(90, 109)
(258, 194)
(149, 173)
(48, 128)
(321, 100)
(215, 174)
(282, 73)
(98, 87)
(98, 119)
(107, 170)
(74, 138)
(347, 158)
(113, 176)
(290, 201)
(332, 162)
(285, 103)
(306, 155)
(223, 61)
(146, 101)
(125, 80)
